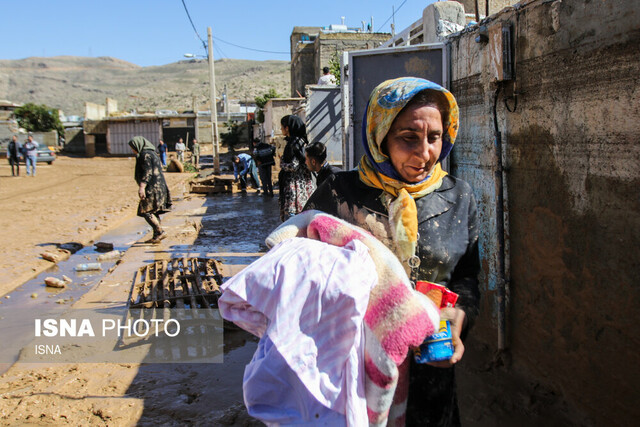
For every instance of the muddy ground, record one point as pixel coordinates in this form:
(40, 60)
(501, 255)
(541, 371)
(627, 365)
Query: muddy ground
(78, 200)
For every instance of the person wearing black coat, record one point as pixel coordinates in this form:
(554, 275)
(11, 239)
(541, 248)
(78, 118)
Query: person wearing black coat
(294, 180)
(401, 194)
(13, 154)
(316, 161)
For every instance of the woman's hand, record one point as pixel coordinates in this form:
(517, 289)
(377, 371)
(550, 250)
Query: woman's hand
(457, 318)
(141, 191)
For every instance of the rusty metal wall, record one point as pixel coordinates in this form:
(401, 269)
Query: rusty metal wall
(119, 134)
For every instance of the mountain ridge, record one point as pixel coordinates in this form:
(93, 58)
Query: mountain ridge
(67, 82)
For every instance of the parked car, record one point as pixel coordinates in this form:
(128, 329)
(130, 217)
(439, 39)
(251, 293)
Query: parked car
(45, 154)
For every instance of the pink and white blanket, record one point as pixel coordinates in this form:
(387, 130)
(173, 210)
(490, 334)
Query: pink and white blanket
(397, 317)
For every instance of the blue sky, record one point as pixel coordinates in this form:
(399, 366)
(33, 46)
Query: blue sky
(158, 32)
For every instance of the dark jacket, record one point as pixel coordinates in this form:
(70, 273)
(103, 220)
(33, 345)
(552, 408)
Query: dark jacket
(294, 149)
(149, 170)
(14, 150)
(263, 154)
(448, 252)
(325, 172)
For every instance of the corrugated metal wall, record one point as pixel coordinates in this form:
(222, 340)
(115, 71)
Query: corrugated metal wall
(119, 134)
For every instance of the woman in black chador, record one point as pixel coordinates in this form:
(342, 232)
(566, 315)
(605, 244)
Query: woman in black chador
(152, 188)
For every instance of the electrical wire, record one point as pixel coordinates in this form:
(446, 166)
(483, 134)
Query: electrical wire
(221, 53)
(249, 48)
(224, 41)
(389, 19)
(194, 27)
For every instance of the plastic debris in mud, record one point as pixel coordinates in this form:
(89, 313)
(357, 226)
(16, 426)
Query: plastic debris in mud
(90, 266)
(54, 282)
(109, 256)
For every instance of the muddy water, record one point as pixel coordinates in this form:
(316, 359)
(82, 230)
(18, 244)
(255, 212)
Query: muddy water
(233, 228)
(33, 300)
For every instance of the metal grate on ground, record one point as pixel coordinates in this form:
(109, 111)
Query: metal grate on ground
(177, 283)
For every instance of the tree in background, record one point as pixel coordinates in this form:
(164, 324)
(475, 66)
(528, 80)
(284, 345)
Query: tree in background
(38, 118)
(261, 101)
(334, 67)
(232, 136)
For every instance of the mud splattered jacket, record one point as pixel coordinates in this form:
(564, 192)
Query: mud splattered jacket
(448, 252)
(149, 170)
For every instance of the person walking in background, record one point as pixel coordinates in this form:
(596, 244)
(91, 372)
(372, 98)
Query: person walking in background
(180, 147)
(195, 153)
(152, 187)
(294, 179)
(13, 153)
(30, 149)
(316, 161)
(326, 78)
(263, 154)
(247, 166)
(162, 150)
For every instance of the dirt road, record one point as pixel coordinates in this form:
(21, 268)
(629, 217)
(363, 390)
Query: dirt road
(72, 200)
(78, 200)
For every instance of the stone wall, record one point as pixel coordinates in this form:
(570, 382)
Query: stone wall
(310, 56)
(494, 6)
(329, 44)
(569, 131)
(302, 69)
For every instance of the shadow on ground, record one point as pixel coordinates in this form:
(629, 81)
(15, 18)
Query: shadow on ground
(233, 226)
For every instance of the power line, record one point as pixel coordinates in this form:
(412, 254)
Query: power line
(250, 48)
(194, 27)
(222, 54)
(224, 41)
(396, 11)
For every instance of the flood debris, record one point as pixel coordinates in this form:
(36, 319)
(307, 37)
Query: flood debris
(54, 282)
(72, 247)
(66, 279)
(211, 184)
(34, 295)
(175, 165)
(109, 255)
(89, 266)
(177, 283)
(57, 256)
(103, 246)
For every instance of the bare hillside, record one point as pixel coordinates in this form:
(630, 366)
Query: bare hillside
(67, 82)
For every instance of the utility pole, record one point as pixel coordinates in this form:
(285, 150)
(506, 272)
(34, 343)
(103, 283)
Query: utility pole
(214, 107)
(393, 23)
(226, 104)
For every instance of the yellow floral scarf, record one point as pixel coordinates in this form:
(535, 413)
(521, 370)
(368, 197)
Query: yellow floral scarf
(376, 170)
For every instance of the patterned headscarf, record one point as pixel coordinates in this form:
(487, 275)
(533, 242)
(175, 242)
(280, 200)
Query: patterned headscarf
(140, 143)
(376, 170)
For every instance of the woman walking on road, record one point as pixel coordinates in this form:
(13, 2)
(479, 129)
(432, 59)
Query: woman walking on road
(294, 179)
(152, 188)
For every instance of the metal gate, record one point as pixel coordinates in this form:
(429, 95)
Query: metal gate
(367, 68)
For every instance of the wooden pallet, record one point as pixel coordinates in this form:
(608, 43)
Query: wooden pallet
(177, 283)
(212, 185)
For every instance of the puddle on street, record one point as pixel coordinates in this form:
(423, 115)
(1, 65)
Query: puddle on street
(17, 313)
(231, 223)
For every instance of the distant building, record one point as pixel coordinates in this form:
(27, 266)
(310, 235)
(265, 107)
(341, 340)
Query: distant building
(494, 6)
(6, 109)
(313, 47)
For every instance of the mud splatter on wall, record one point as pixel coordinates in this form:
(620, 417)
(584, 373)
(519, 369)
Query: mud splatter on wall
(572, 206)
